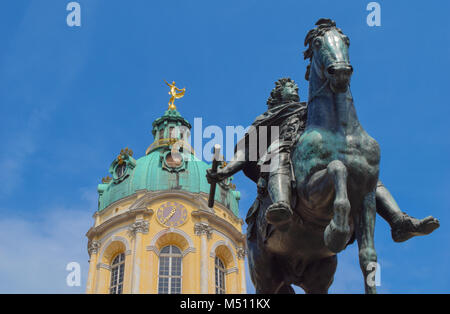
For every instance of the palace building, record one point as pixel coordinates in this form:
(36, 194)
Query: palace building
(153, 230)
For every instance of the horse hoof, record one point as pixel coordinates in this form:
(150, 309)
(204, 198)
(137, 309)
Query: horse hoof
(336, 238)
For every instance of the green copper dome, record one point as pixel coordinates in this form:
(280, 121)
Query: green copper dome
(169, 164)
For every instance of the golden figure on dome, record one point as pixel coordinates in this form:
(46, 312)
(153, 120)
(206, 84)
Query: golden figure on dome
(173, 92)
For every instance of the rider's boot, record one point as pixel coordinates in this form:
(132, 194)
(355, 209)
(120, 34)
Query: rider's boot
(403, 226)
(407, 227)
(279, 186)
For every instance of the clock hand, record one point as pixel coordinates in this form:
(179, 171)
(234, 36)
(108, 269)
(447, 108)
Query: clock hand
(170, 215)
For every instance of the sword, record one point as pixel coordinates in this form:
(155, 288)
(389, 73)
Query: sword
(215, 165)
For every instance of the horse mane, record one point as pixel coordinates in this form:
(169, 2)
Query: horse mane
(275, 95)
(323, 26)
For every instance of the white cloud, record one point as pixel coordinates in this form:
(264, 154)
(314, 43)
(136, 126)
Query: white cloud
(35, 251)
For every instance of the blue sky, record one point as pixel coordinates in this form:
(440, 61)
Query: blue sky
(71, 98)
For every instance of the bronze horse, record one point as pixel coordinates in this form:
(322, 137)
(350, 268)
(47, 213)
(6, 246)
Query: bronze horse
(336, 166)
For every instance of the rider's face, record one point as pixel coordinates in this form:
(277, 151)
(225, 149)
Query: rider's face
(290, 92)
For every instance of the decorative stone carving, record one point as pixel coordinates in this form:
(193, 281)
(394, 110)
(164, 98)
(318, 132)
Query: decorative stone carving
(203, 228)
(241, 252)
(152, 248)
(93, 247)
(232, 270)
(103, 265)
(138, 226)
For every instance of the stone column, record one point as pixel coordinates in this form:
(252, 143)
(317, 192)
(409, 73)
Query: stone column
(203, 230)
(241, 252)
(93, 247)
(139, 227)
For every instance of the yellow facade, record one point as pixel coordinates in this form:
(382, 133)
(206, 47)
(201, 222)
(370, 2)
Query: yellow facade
(131, 226)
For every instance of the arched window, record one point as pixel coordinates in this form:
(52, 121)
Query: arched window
(220, 276)
(117, 271)
(170, 270)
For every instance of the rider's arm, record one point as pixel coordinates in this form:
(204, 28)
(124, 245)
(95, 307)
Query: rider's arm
(231, 168)
(235, 165)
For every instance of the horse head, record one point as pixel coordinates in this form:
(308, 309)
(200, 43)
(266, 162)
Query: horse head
(328, 53)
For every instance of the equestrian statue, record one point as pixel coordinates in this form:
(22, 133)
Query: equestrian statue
(317, 182)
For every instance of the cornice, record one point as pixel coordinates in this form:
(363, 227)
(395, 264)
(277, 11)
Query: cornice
(215, 220)
(114, 204)
(129, 214)
(221, 206)
(144, 195)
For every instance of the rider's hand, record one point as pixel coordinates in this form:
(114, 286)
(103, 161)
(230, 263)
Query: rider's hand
(214, 177)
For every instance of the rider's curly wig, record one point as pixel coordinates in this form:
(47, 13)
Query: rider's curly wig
(323, 26)
(275, 97)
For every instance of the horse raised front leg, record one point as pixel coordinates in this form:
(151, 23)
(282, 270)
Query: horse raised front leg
(364, 229)
(322, 185)
(337, 232)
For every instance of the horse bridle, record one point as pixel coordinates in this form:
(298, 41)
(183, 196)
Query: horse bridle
(327, 81)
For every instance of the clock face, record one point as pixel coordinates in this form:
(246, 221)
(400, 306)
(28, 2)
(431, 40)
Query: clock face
(172, 214)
